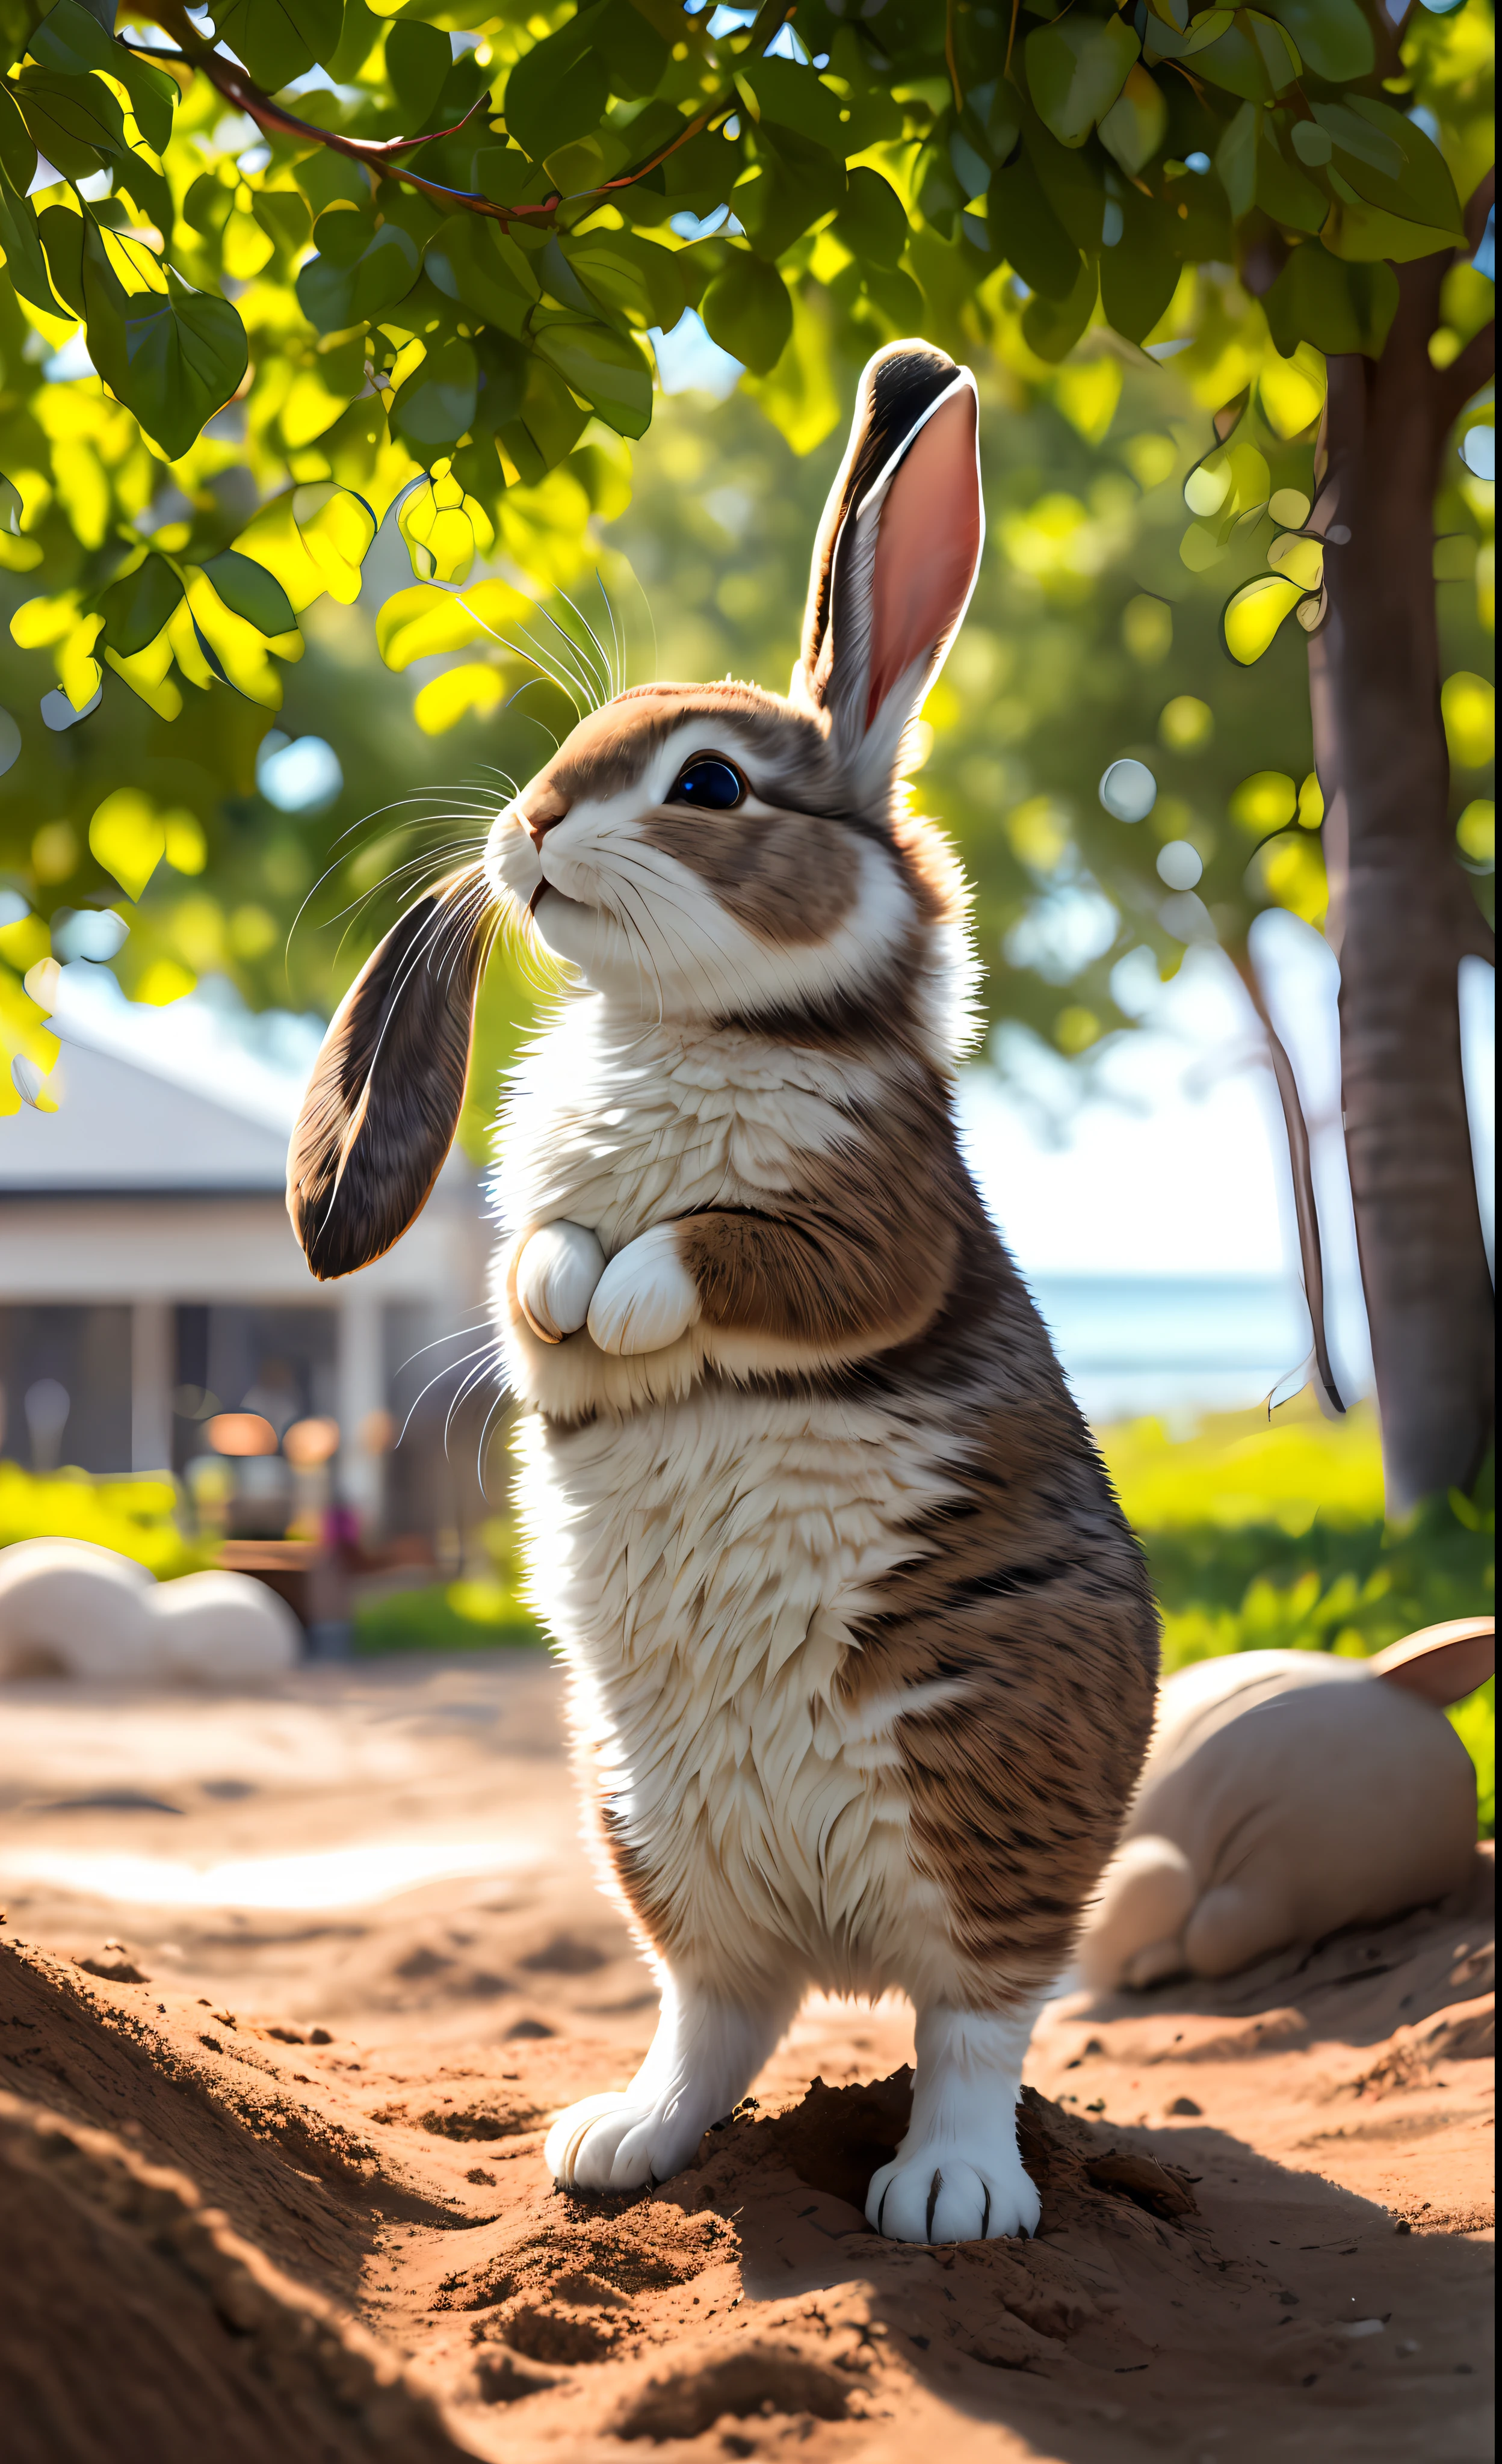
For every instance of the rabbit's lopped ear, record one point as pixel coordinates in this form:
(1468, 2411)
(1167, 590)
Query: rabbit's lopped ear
(896, 558)
(384, 1100)
(1441, 1663)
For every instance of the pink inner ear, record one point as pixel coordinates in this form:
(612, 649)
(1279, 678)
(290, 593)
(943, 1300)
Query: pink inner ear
(1444, 1662)
(926, 547)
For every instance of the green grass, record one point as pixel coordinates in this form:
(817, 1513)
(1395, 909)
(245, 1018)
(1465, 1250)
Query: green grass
(463, 1616)
(137, 1517)
(1273, 1538)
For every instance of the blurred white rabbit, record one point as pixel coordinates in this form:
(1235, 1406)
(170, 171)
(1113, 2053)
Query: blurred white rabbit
(1286, 1793)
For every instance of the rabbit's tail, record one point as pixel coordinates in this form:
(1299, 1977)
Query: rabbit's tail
(1136, 1932)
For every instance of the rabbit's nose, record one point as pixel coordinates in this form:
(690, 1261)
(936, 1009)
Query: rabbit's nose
(539, 814)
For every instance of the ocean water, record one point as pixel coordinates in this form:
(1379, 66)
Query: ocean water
(1174, 1345)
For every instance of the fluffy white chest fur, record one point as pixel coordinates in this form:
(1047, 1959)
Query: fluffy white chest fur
(702, 1558)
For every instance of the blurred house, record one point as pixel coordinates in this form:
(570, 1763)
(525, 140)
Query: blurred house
(149, 1281)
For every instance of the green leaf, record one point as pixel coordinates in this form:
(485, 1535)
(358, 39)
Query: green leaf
(419, 59)
(1253, 57)
(282, 215)
(1132, 129)
(1417, 186)
(1139, 275)
(1283, 191)
(61, 233)
(357, 271)
(1236, 159)
(793, 97)
(871, 221)
(798, 183)
(549, 426)
(136, 609)
(247, 589)
(1073, 180)
(1076, 70)
(73, 41)
(1165, 40)
(208, 205)
(1363, 234)
(172, 355)
(501, 173)
(21, 244)
(559, 89)
(1335, 306)
(632, 277)
(472, 261)
(17, 153)
(1255, 613)
(748, 311)
(607, 369)
(435, 405)
(634, 54)
(1052, 327)
(278, 40)
(1027, 232)
(1333, 37)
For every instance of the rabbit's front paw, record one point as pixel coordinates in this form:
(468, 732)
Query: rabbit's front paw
(941, 2192)
(646, 1297)
(620, 2142)
(555, 1276)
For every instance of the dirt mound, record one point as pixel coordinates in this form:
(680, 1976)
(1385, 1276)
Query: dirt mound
(191, 2342)
(1262, 2209)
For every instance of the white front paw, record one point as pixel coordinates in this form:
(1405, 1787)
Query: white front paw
(944, 2193)
(620, 2142)
(646, 1297)
(557, 1274)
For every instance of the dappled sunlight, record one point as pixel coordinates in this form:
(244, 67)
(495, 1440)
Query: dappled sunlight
(327, 1878)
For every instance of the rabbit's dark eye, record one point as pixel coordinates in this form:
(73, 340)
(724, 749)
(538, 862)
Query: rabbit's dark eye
(709, 783)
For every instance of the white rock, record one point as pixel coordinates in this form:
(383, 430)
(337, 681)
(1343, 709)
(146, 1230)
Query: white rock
(223, 1629)
(69, 1609)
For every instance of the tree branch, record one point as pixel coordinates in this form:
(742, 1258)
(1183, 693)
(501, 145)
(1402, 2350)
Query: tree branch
(1306, 1212)
(378, 155)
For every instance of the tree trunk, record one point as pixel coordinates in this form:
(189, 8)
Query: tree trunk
(1401, 912)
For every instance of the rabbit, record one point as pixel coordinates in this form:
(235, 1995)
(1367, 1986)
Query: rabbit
(862, 1652)
(1286, 1793)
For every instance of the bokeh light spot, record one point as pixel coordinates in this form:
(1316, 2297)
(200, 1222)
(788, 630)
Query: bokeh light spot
(1178, 865)
(1476, 834)
(1129, 790)
(1185, 723)
(1470, 707)
(1147, 629)
(299, 778)
(1265, 802)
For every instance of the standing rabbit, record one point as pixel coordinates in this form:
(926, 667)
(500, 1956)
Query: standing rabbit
(862, 1652)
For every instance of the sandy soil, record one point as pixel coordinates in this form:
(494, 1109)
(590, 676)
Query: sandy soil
(289, 1984)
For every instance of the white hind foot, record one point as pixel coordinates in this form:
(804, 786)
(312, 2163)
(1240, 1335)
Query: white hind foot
(704, 2059)
(958, 2175)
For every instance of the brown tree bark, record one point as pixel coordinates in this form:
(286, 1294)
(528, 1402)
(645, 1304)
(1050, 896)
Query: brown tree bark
(1401, 912)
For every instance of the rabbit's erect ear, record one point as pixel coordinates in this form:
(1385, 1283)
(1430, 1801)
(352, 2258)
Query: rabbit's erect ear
(1443, 1662)
(896, 556)
(384, 1097)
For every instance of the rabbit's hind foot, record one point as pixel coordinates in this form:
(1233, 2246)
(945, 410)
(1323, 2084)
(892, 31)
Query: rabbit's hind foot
(958, 2175)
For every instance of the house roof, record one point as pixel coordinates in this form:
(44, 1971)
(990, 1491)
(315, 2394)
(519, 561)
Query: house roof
(158, 1102)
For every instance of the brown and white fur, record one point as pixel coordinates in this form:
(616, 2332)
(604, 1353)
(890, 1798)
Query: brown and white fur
(862, 1652)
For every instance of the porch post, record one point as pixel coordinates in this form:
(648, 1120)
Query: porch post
(153, 1370)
